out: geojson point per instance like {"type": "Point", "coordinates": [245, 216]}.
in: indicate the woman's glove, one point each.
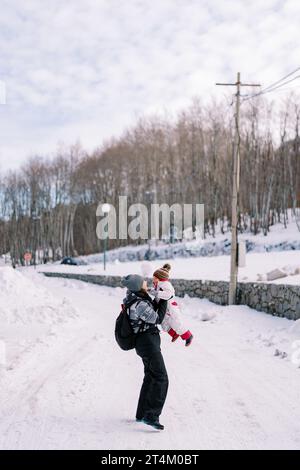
{"type": "Point", "coordinates": [164, 294]}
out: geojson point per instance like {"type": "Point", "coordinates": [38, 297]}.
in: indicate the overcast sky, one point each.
{"type": "Point", "coordinates": [85, 69]}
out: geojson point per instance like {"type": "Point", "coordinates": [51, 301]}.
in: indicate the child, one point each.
{"type": "Point", "coordinates": [172, 322]}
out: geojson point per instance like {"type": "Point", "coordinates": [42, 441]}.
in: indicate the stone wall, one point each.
{"type": "Point", "coordinates": [282, 300]}
{"type": "Point", "coordinates": [277, 299]}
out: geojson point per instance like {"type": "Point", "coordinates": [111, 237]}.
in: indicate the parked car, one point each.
{"type": "Point", "coordinates": [73, 261]}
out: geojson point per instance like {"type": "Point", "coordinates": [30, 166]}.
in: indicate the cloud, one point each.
{"type": "Point", "coordinates": [85, 68]}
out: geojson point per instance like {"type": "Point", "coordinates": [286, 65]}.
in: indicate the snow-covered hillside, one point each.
{"type": "Point", "coordinates": [278, 239]}
{"type": "Point", "coordinates": [236, 387]}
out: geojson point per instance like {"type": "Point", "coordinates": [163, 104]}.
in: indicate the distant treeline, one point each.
{"type": "Point", "coordinates": [50, 204]}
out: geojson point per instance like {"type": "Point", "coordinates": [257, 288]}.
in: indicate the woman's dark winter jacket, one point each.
{"type": "Point", "coordinates": [144, 313]}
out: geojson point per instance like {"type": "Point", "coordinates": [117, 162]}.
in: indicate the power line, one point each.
{"type": "Point", "coordinates": [288, 88]}
{"type": "Point", "coordinates": [280, 86]}
{"type": "Point", "coordinates": [273, 86]}
{"type": "Point", "coordinates": [283, 78]}
{"type": "Point", "coordinates": [279, 90]}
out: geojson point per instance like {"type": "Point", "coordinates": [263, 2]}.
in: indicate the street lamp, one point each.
{"type": "Point", "coordinates": [105, 210]}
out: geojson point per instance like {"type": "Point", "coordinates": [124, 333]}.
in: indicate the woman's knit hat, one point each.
{"type": "Point", "coordinates": [133, 282]}
{"type": "Point", "coordinates": [163, 273]}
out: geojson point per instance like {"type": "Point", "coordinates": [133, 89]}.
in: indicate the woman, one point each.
{"type": "Point", "coordinates": [144, 315]}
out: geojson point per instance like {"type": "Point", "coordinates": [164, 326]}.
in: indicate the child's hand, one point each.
{"type": "Point", "coordinates": [152, 291]}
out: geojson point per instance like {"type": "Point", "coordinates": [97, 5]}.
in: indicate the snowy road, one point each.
{"type": "Point", "coordinates": [73, 388]}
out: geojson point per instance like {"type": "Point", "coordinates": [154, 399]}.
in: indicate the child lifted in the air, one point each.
{"type": "Point", "coordinates": [173, 322]}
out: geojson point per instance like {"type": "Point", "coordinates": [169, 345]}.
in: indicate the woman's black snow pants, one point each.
{"type": "Point", "coordinates": [155, 385]}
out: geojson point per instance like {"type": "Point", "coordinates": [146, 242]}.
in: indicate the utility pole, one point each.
{"type": "Point", "coordinates": [235, 191]}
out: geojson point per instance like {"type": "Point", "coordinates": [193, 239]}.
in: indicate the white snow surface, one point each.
{"type": "Point", "coordinates": [68, 385]}
{"type": "Point", "coordinates": [205, 268]}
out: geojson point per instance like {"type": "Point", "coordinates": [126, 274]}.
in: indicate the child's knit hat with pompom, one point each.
{"type": "Point", "coordinates": [163, 273]}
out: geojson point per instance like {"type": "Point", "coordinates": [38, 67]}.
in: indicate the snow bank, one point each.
{"type": "Point", "coordinates": [23, 301]}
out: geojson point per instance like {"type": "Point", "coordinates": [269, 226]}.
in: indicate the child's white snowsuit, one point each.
{"type": "Point", "coordinates": [173, 318]}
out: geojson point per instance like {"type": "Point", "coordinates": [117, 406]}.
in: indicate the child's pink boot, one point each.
{"type": "Point", "coordinates": [173, 334]}
{"type": "Point", "coordinates": [187, 337]}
